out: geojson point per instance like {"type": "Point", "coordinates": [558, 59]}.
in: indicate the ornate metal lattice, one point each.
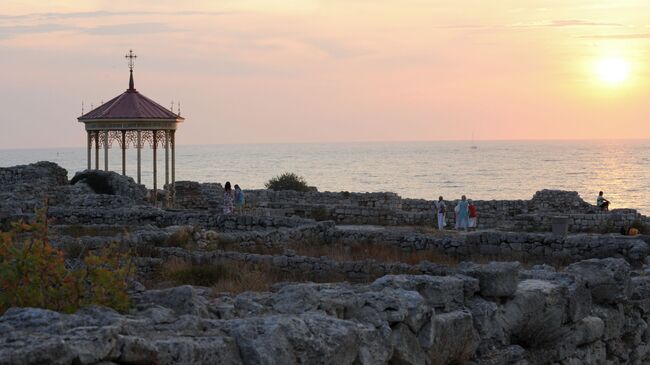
{"type": "Point", "coordinates": [97, 138]}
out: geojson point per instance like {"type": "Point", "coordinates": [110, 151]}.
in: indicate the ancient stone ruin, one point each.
{"type": "Point", "coordinates": [334, 278]}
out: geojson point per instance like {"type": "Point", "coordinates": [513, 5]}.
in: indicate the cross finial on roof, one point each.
{"type": "Point", "coordinates": [130, 56]}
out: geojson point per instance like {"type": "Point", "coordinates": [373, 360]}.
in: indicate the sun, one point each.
{"type": "Point", "coordinates": [613, 70]}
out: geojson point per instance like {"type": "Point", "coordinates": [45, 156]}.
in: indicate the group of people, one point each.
{"type": "Point", "coordinates": [465, 212]}
{"type": "Point", "coordinates": [233, 199]}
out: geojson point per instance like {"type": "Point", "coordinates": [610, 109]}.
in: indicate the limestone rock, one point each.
{"type": "Point", "coordinates": [111, 183]}
{"type": "Point", "coordinates": [608, 279]}
{"type": "Point", "coordinates": [445, 292]}
{"type": "Point", "coordinates": [537, 312]}
{"type": "Point", "coordinates": [455, 339]}
{"type": "Point", "coordinates": [588, 330]}
{"type": "Point", "coordinates": [182, 300]}
{"type": "Point", "coordinates": [496, 279]}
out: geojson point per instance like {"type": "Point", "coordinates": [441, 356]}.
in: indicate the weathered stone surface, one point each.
{"type": "Point", "coordinates": [455, 339]}
{"type": "Point", "coordinates": [608, 279]}
{"type": "Point", "coordinates": [182, 300]}
{"type": "Point", "coordinates": [439, 291]}
{"type": "Point", "coordinates": [111, 183]}
{"type": "Point", "coordinates": [496, 279]}
{"type": "Point", "coordinates": [580, 302]}
{"type": "Point", "coordinates": [588, 330]}
{"type": "Point", "coordinates": [536, 313]}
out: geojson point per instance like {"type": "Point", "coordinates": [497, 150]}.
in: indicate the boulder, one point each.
{"type": "Point", "coordinates": [406, 348]}
{"type": "Point", "coordinates": [111, 183]}
{"type": "Point", "coordinates": [536, 314]}
{"type": "Point", "coordinates": [44, 174]}
{"type": "Point", "coordinates": [440, 292]}
{"type": "Point", "coordinates": [588, 330]}
{"type": "Point", "coordinates": [182, 300]}
{"type": "Point", "coordinates": [455, 339]}
{"type": "Point", "coordinates": [190, 350]}
{"type": "Point", "coordinates": [496, 279]}
{"type": "Point", "coordinates": [579, 294]}
{"type": "Point", "coordinates": [608, 279]}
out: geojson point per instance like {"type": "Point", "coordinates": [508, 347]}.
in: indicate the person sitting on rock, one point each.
{"type": "Point", "coordinates": [602, 202]}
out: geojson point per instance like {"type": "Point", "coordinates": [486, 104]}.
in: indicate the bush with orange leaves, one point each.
{"type": "Point", "coordinates": [33, 273]}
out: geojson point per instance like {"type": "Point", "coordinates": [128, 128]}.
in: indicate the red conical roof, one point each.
{"type": "Point", "coordinates": [130, 105]}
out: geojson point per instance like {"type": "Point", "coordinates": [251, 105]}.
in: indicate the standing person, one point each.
{"type": "Point", "coordinates": [463, 213]}
{"type": "Point", "coordinates": [602, 203]}
{"type": "Point", "coordinates": [228, 199]}
{"type": "Point", "coordinates": [473, 214]}
{"type": "Point", "coordinates": [441, 209]}
{"type": "Point", "coordinates": [239, 199]}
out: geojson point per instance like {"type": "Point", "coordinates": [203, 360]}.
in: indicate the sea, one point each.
{"type": "Point", "coordinates": [482, 170]}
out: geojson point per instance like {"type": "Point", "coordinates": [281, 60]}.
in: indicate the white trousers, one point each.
{"type": "Point", "coordinates": [441, 221]}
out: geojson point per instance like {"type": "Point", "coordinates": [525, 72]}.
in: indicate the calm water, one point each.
{"type": "Point", "coordinates": [495, 170]}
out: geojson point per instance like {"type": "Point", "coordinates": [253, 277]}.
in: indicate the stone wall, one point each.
{"type": "Point", "coordinates": [390, 209]}
{"type": "Point", "coordinates": [534, 247]}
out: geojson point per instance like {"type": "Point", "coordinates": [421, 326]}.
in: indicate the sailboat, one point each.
{"type": "Point", "coordinates": [473, 144]}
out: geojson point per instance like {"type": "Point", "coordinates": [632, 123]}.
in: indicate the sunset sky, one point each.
{"type": "Point", "coordinates": [331, 71]}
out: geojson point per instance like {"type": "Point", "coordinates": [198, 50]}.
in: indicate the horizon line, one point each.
{"type": "Point", "coordinates": [368, 142]}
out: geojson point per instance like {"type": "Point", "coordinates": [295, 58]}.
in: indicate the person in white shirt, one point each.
{"type": "Point", "coordinates": [601, 202]}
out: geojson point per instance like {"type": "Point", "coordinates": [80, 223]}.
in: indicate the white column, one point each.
{"type": "Point", "coordinates": [173, 140]}
{"type": "Point", "coordinates": [96, 150]}
{"type": "Point", "coordinates": [166, 157]}
{"type": "Point", "coordinates": [90, 147]}
{"type": "Point", "coordinates": [172, 135]}
{"type": "Point", "coordinates": [123, 153]}
{"type": "Point", "coordinates": [139, 147]}
{"type": "Point", "coordinates": [155, 166]}
{"type": "Point", "coordinates": [105, 150]}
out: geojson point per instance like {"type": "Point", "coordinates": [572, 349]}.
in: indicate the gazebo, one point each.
{"type": "Point", "coordinates": [133, 119]}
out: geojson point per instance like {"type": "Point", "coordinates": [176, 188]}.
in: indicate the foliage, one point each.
{"type": "Point", "coordinates": [34, 274]}
{"type": "Point", "coordinates": [288, 181]}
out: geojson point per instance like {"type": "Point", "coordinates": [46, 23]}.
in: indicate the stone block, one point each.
{"type": "Point", "coordinates": [608, 279]}
{"type": "Point", "coordinates": [496, 279]}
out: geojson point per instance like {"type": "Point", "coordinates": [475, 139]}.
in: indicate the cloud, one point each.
{"type": "Point", "coordinates": [16, 30]}
{"type": "Point", "coordinates": [7, 32]}
{"type": "Point", "coordinates": [619, 36]}
{"type": "Point", "coordinates": [102, 14]}
{"type": "Point", "coordinates": [564, 23]}
{"type": "Point", "coordinates": [130, 28]}
{"type": "Point", "coordinates": [578, 22]}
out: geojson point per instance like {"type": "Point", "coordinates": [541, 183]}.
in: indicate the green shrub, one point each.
{"type": "Point", "coordinates": [74, 250]}
{"type": "Point", "coordinates": [33, 273]}
{"type": "Point", "coordinates": [288, 181]}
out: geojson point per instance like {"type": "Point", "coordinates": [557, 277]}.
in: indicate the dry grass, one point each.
{"type": "Point", "coordinates": [230, 276]}
{"type": "Point", "coordinates": [371, 251]}
{"type": "Point", "coordinates": [381, 252]}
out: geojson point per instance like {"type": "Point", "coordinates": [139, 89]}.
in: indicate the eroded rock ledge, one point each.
{"type": "Point", "coordinates": [593, 312]}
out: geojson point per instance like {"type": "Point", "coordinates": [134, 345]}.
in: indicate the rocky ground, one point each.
{"type": "Point", "coordinates": [273, 289]}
